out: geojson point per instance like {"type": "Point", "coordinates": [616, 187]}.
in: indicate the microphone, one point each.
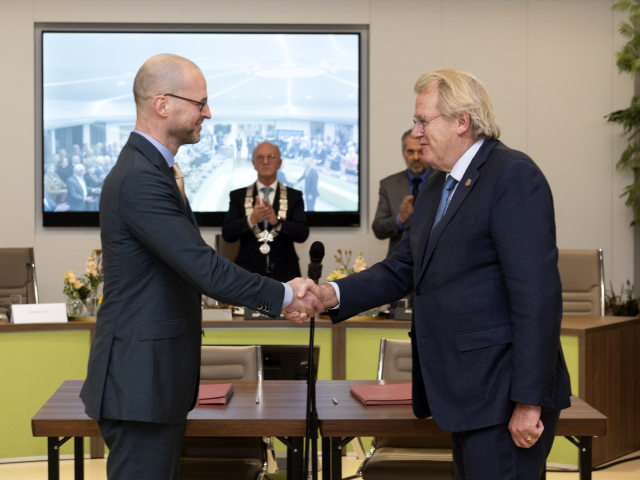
{"type": "Point", "coordinates": [316, 254]}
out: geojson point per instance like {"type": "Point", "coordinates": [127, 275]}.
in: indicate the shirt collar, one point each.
{"type": "Point", "coordinates": [168, 156]}
{"type": "Point", "coordinates": [422, 177]}
{"type": "Point", "coordinates": [461, 165]}
{"type": "Point", "coordinates": [261, 185]}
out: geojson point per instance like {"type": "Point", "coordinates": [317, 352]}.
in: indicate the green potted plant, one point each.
{"type": "Point", "coordinates": [615, 305]}
{"type": "Point", "coordinates": [628, 60]}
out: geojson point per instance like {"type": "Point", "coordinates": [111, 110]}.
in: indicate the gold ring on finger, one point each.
{"type": "Point", "coordinates": [529, 439]}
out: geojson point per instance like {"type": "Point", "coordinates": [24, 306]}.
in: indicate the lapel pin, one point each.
{"type": "Point", "coordinates": [468, 182]}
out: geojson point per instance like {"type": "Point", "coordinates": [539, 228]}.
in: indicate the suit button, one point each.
{"type": "Point", "coordinates": [259, 307]}
{"type": "Point", "coordinates": [418, 292]}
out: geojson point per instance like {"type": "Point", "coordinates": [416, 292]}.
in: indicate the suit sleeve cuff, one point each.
{"type": "Point", "coordinates": [337, 289]}
{"type": "Point", "coordinates": [288, 295]}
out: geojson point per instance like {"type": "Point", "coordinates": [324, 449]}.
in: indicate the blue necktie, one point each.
{"type": "Point", "coordinates": [449, 185]}
{"type": "Point", "coordinates": [266, 191]}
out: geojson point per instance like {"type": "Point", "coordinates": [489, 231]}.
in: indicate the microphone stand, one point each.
{"type": "Point", "coordinates": [311, 432]}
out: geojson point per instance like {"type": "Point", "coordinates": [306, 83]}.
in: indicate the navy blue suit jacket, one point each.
{"type": "Point", "coordinates": [488, 304]}
{"type": "Point", "coordinates": [145, 359]}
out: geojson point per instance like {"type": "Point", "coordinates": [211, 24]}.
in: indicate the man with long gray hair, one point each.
{"type": "Point", "coordinates": [481, 257]}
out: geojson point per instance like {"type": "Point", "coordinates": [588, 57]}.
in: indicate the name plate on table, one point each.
{"type": "Point", "coordinates": [39, 313]}
{"type": "Point", "coordinates": [254, 315]}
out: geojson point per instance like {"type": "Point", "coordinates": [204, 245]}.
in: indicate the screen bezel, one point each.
{"type": "Point", "coordinates": [206, 219]}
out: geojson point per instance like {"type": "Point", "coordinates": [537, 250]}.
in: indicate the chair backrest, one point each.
{"type": "Point", "coordinates": [231, 362]}
{"type": "Point", "coordinates": [582, 277]}
{"type": "Point", "coordinates": [15, 277]}
{"type": "Point", "coordinates": [394, 363]}
{"type": "Point", "coordinates": [226, 249]}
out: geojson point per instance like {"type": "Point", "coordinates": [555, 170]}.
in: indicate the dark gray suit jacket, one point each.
{"type": "Point", "coordinates": [145, 359]}
{"type": "Point", "coordinates": [393, 189]}
{"type": "Point", "coordinates": [488, 299]}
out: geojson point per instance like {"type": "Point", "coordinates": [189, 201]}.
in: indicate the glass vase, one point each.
{"type": "Point", "coordinates": [92, 306]}
{"type": "Point", "coordinates": [75, 307]}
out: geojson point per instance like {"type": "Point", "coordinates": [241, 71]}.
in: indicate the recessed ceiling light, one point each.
{"type": "Point", "coordinates": [350, 95]}
{"type": "Point", "coordinates": [269, 96]}
{"type": "Point", "coordinates": [235, 96]}
{"type": "Point", "coordinates": [308, 96]}
{"type": "Point", "coordinates": [121, 83]}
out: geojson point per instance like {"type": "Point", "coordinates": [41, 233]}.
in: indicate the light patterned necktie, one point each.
{"type": "Point", "coordinates": [266, 191]}
{"type": "Point", "coordinates": [177, 174]}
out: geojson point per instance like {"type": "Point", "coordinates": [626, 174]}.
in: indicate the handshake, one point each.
{"type": "Point", "coordinates": [309, 298]}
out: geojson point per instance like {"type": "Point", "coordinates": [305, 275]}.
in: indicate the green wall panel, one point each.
{"type": "Point", "coordinates": [563, 451]}
{"type": "Point", "coordinates": [363, 348]}
{"type": "Point", "coordinates": [34, 365]}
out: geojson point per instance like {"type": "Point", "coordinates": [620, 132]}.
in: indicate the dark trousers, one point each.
{"type": "Point", "coordinates": [489, 453]}
{"type": "Point", "coordinates": [142, 450]}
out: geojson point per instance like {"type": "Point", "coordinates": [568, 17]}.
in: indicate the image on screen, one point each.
{"type": "Point", "coordinates": [298, 91]}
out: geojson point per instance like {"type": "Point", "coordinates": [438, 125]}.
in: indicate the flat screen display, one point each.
{"type": "Point", "coordinates": [300, 91]}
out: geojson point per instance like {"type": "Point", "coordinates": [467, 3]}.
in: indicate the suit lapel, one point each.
{"type": "Point", "coordinates": [155, 157]}
{"type": "Point", "coordinates": [432, 196]}
{"type": "Point", "coordinates": [429, 237]}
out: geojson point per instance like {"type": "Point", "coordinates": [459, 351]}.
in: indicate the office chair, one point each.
{"type": "Point", "coordinates": [17, 276]}
{"type": "Point", "coordinates": [582, 277]}
{"type": "Point", "coordinates": [227, 458]}
{"type": "Point", "coordinates": [424, 458]}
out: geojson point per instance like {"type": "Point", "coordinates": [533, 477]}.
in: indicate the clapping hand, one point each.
{"type": "Point", "coordinates": [263, 210]}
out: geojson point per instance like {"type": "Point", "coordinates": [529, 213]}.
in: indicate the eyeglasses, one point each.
{"type": "Point", "coordinates": [271, 157]}
{"type": "Point", "coordinates": [422, 124]}
{"type": "Point", "coordinates": [202, 104]}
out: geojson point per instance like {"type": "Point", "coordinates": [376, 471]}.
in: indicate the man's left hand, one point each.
{"type": "Point", "coordinates": [525, 425]}
{"type": "Point", "coordinates": [271, 215]}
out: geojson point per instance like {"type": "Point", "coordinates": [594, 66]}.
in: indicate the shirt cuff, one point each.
{"type": "Point", "coordinates": [251, 225]}
{"type": "Point", "coordinates": [288, 295]}
{"type": "Point", "coordinates": [399, 224]}
{"type": "Point", "coordinates": [337, 289]}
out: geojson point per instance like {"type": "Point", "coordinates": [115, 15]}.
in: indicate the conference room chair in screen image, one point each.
{"type": "Point", "coordinates": [409, 458]}
{"type": "Point", "coordinates": [231, 458]}
{"type": "Point", "coordinates": [582, 277]}
{"type": "Point", "coordinates": [17, 278]}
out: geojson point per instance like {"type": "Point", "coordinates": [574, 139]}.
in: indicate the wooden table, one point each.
{"type": "Point", "coordinates": [281, 413]}
{"type": "Point", "coordinates": [340, 423]}
{"type": "Point", "coordinates": [608, 355]}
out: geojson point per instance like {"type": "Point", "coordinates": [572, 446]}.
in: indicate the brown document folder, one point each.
{"type": "Point", "coordinates": [396, 394]}
{"type": "Point", "coordinates": [216, 394]}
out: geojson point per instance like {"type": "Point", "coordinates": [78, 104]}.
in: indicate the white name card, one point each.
{"type": "Point", "coordinates": [39, 313]}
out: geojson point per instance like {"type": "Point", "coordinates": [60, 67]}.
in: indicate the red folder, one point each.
{"type": "Point", "coordinates": [396, 394]}
{"type": "Point", "coordinates": [215, 394]}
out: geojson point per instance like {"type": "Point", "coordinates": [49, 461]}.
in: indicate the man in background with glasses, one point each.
{"type": "Point", "coordinates": [144, 364]}
{"type": "Point", "coordinates": [267, 217]}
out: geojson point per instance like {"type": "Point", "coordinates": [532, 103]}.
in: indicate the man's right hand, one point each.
{"type": "Point", "coordinates": [304, 303]}
{"type": "Point", "coordinates": [406, 209]}
{"type": "Point", "coordinates": [325, 293]}
{"type": "Point", "coordinates": [260, 211]}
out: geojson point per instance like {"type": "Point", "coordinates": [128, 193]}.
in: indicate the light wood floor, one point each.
{"type": "Point", "coordinates": [96, 470]}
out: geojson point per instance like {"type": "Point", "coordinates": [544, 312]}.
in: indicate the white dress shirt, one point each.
{"type": "Point", "coordinates": [272, 197]}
